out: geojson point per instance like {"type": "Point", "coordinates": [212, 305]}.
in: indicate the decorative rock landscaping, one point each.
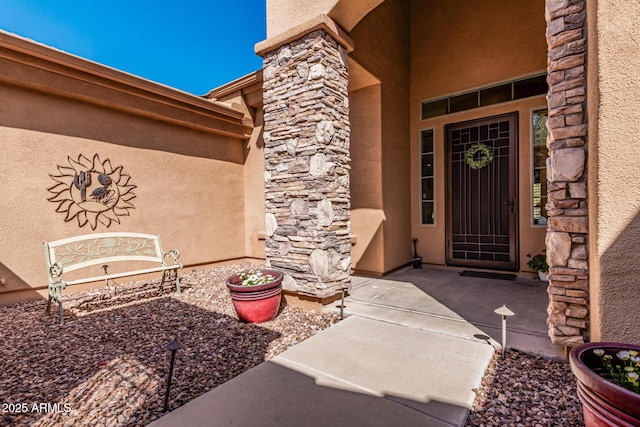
{"type": "Point", "coordinates": [523, 390]}
{"type": "Point", "coordinates": [107, 366]}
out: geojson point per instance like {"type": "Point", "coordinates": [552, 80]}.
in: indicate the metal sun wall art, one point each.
{"type": "Point", "coordinates": [92, 191]}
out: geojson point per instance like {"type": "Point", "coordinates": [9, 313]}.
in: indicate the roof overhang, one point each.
{"type": "Point", "coordinates": [25, 63]}
{"type": "Point", "coordinates": [250, 86]}
{"type": "Point", "coordinates": [320, 22]}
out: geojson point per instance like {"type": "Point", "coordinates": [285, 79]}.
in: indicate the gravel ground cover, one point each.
{"type": "Point", "coordinates": [524, 390]}
{"type": "Point", "coordinates": [107, 366]}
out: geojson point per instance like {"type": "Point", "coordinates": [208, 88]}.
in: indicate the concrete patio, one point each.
{"type": "Point", "coordinates": [412, 349]}
{"type": "Point", "coordinates": [439, 299]}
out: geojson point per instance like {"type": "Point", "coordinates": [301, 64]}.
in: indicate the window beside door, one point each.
{"type": "Point", "coordinates": [539, 166]}
{"type": "Point", "coordinates": [427, 197]}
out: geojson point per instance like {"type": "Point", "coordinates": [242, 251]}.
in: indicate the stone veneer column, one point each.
{"type": "Point", "coordinates": [306, 135]}
{"type": "Point", "coordinates": [567, 229]}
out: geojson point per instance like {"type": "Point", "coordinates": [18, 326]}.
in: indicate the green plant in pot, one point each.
{"type": "Point", "coordinates": [254, 278]}
{"type": "Point", "coordinates": [608, 375]}
{"type": "Point", "coordinates": [538, 263]}
{"type": "Point", "coordinates": [622, 369]}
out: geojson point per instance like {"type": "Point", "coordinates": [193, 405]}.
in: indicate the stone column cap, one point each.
{"type": "Point", "coordinates": [320, 22]}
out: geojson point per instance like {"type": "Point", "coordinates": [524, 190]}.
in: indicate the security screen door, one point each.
{"type": "Point", "coordinates": [482, 203]}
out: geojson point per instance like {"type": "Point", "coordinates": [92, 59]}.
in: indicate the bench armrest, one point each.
{"type": "Point", "coordinates": [55, 276]}
{"type": "Point", "coordinates": [173, 253]}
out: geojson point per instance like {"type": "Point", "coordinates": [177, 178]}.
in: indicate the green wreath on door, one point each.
{"type": "Point", "coordinates": [486, 156]}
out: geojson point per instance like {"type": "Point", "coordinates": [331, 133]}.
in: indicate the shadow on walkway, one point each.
{"type": "Point", "coordinates": [271, 395]}
{"type": "Point", "coordinates": [438, 297]}
{"type": "Point", "coordinates": [359, 372]}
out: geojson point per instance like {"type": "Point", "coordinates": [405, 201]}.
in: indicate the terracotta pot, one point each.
{"type": "Point", "coordinates": [543, 276]}
{"type": "Point", "coordinates": [256, 304]}
{"type": "Point", "coordinates": [603, 402]}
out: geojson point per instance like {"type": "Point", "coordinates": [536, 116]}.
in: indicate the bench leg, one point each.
{"type": "Point", "coordinates": [60, 312]}
{"type": "Point", "coordinates": [164, 276]}
{"type": "Point", "coordinates": [56, 294]}
{"type": "Point", "coordinates": [59, 301]}
{"type": "Point", "coordinates": [177, 282]}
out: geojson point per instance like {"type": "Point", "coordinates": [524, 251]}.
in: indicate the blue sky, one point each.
{"type": "Point", "coordinates": [192, 45]}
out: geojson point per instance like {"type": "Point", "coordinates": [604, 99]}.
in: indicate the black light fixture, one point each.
{"type": "Point", "coordinates": [173, 346]}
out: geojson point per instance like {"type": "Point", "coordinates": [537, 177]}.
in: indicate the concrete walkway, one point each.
{"type": "Point", "coordinates": [402, 357]}
{"type": "Point", "coordinates": [438, 298]}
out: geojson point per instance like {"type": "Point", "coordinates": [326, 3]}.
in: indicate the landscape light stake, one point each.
{"type": "Point", "coordinates": [342, 304]}
{"type": "Point", "coordinates": [504, 312]}
{"type": "Point", "coordinates": [106, 277]}
{"type": "Point", "coordinates": [173, 346]}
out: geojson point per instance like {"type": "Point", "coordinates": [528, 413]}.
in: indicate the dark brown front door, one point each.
{"type": "Point", "coordinates": [482, 203]}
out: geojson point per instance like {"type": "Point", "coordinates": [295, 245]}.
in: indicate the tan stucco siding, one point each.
{"type": "Point", "coordinates": [283, 15]}
{"type": "Point", "coordinates": [366, 177]}
{"type": "Point", "coordinates": [189, 184]}
{"type": "Point", "coordinates": [387, 58]}
{"type": "Point", "coordinates": [248, 99]}
{"type": "Point", "coordinates": [456, 47]}
{"type": "Point", "coordinates": [614, 158]}
{"type": "Point", "coordinates": [254, 191]}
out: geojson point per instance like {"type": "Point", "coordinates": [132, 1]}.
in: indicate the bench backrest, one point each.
{"type": "Point", "coordinates": [101, 248]}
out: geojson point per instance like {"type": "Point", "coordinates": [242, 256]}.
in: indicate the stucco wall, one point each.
{"type": "Point", "coordinates": [366, 178]}
{"type": "Point", "coordinates": [455, 47]}
{"type": "Point", "coordinates": [283, 15]}
{"type": "Point", "coordinates": [254, 191]}
{"type": "Point", "coordinates": [245, 95]}
{"type": "Point", "coordinates": [189, 185]}
{"type": "Point", "coordinates": [614, 156]}
{"type": "Point", "coordinates": [382, 42]}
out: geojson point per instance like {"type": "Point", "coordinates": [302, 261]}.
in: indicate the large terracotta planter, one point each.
{"type": "Point", "coordinates": [603, 402]}
{"type": "Point", "coordinates": [256, 304]}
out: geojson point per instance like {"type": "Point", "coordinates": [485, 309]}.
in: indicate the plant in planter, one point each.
{"type": "Point", "coordinates": [254, 277]}
{"type": "Point", "coordinates": [256, 294]}
{"type": "Point", "coordinates": [608, 382]}
{"type": "Point", "coordinates": [538, 263]}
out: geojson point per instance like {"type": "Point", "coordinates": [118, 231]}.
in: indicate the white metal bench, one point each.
{"type": "Point", "coordinates": [75, 253]}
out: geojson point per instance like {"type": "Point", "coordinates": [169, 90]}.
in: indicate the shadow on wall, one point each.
{"type": "Point", "coordinates": [41, 112]}
{"type": "Point", "coordinates": [618, 293]}
{"type": "Point", "coordinates": [365, 223]}
{"type": "Point", "coordinates": [13, 288]}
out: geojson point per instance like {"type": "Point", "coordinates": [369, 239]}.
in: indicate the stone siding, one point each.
{"type": "Point", "coordinates": [567, 229]}
{"type": "Point", "coordinates": [307, 192]}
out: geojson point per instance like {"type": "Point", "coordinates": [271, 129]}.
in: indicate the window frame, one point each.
{"type": "Point", "coordinates": [532, 163]}
{"type": "Point", "coordinates": [517, 85]}
{"type": "Point", "coordinates": [433, 177]}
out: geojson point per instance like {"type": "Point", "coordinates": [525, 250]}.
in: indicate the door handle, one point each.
{"type": "Point", "coordinates": [509, 203]}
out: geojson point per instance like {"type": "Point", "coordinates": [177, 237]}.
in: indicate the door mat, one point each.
{"type": "Point", "coordinates": [484, 275]}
